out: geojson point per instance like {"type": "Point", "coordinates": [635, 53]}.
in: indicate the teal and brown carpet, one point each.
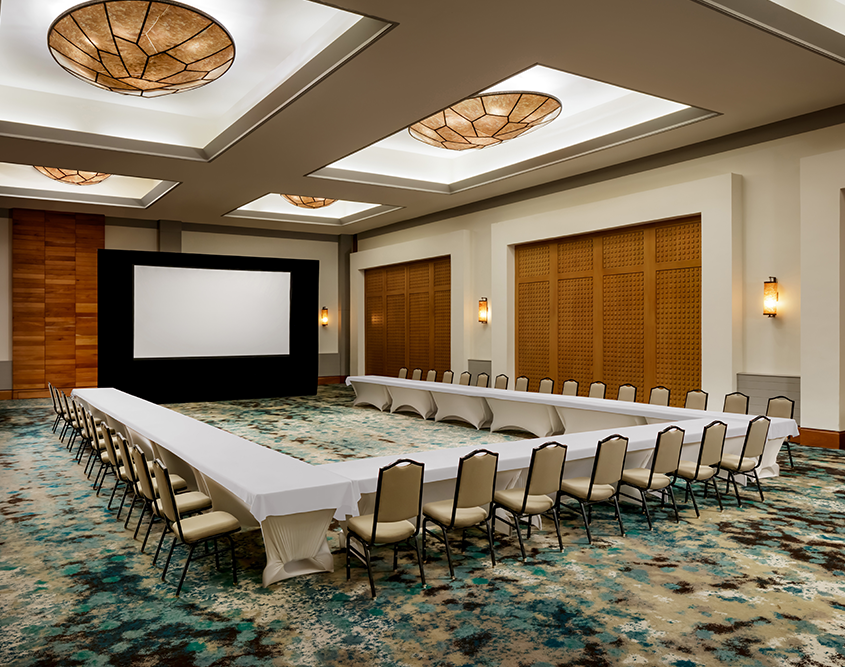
{"type": "Point", "coordinates": [760, 585]}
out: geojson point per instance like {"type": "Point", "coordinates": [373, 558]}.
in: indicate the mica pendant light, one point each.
{"type": "Point", "coordinates": [308, 202]}
{"type": "Point", "coordinates": [73, 176]}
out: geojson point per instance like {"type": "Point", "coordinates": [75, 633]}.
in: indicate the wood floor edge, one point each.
{"type": "Point", "coordinates": [813, 437]}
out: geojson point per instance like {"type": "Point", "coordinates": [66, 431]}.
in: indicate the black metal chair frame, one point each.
{"type": "Point", "coordinates": [788, 439]}
{"type": "Point", "coordinates": [698, 391]}
{"type": "Point", "coordinates": [688, 492]}
{"type": "Point", "coordinates": [732, 476]}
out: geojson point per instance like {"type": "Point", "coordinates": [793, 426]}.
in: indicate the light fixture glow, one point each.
{"type": "Point", "coordinates": [324, 317]}
{"type": "Point", "coordinates": [309, 202]}
{"type": "Point", "coordinates": [770, 297]}
{"type": "Point", "coordinates": [141, 48]}
{"type": "Point", "coordinates": [73, 176]}
{"type": "Point", "coordinates": [482, 310]}
{"type": "Point", "coordinates": [486, 120]}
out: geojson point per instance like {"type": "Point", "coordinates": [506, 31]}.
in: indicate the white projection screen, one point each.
{"type": "Point", "coordinates": [187, 312]}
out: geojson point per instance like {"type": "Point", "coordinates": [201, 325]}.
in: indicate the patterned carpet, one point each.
{"type": "Point", "coordinates": [760, 585]}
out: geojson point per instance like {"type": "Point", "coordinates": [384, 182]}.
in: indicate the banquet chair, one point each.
{"type": "Point", "coordinates": [783, 407]}
{"type": "Point", "coordinates": [56, 407]}
{"type": "Point", "coordinates": [570, 388]}
{"type": "Point", "coordinates": [470, 506]}
{"type": "Point", "coordinates": [696, 400]}
{"type": "Point", "coordinates": [736, 403]}
{"type": "Point", "coordinates": [431, 376]}
{"type": "Point", "coordinates": [403, 373]}
{"type": "Point", "coordinates": [664, 466]}
{"type": "Point", "coordinates": [70, 421]}
{"type": "Point", "coordinates": [395, 519]}
{"type": "Point", "coordinates": [109, 459]}
{"type": "Point", "coordinates": [448, 377]}
{"type": "Point", "coordinates": [659, 396]}
{"type": "Point", "coordinates": [599, 486]}
{"type": "Point", "coordinates": [521, 383]}
{"type": "Point", "coordinates": [597, 389]}
{"type": "Point", "coordinates": [544, 478]}
{"type": "Point", "coordinates": [417, 374]}
{"type": "Point", "coordinates": [627, 393]}
{"type": "Point", "coordinates": [706, 467]}
{"type": "Point", "coordinates": [482, 380]}
{"type": "Point", "coordinates": [97, 443]}
{"type": "Point", "coordinates": [501, 382]}
{"type": "Point", "coordinates": [465, 378]}
{"type": "Point", "coordinates": [748, 460]}
{"type": "Point", "coordinates": [547, 386]}
{"type": "Point", "coordinates": [193, 530]}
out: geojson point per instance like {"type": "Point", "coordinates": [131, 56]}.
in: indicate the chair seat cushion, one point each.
{"type": "Point", "coordinates": [387, 532]}
{"type": "Point", "coordinates": [638, 477]}
{"type": "Point", "coordinates": [178, 483]}
{"type": "Point", "coordinates": [578, 487]}
{"type": "Point", "coordinates": [441, 512]}
{"type": "Point", "coordinates": [687, 471]}
{"type": "Point", "coordinates": [206, 526]}
{"type": "Point", "coordinates": [188, 503]}
{"type": "Point", "coordinates": [735, 464]}
{"type": "Point", "coordinates": [512, 500]}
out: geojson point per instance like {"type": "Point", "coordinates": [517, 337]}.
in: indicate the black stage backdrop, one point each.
{"type": "Point", "coordinates": [179, 380]}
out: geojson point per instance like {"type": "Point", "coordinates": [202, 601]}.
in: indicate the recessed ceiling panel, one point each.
{"type": "Point", "coordinates": [274, 207]}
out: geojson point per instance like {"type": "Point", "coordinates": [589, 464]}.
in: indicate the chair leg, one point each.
{"type": "Point", "coordinates": [169, 555]}
{"type": "Point", "coordinates": [490, 539]}
{"type": "Point", "coordinates": [718, 495]}
{"type": "Point", "coordinates": [448, 553]}
{"type": "Point", "coordinates": [420, 560]}
{"type": "Point", "coordinates": [645, 509]}
{"type": "Point", "coordinates": [160, 542]}
{"type": "Point", "coordinates": [557, 527]}
{"type": "Point", "coordinates": [789, 452]}
{"type": "Point", "coordinates": [116, 484]}
{"type": "Point", "coordinates": [141, 518]}
{"type": "Point", "coordinates": [131, 508]}
{"type": "Point", "coordinates": [123, 500]}
{"type": "Point", "coordinates": [185, 569]}
{"type": "Point", "coordinates": [619, 516]}
{"type": "Point", "coordinates": [147, 534]}
{"type": "Point", "coordinates": [234, 562]}
{"type": "Point", "coordinates": [369, 570]}
{"type": "Point", "coordinates": [732, 479]}
{"type": "Point", "coordinates": [586, 522]}
{"type": "Point", "coordinates": [348, 564]}
{"type": "Point", "coordinates": [674, 505]}
{"type": "Point", "coordinates": [759, 488]}
{"type": "Point", "coordinates": [691, 494]}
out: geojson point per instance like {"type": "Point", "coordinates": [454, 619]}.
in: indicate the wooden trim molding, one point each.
{"type": "Point", "coordinates": [814, 437]}
{"type": "Point", "coordinates": [332, 379]}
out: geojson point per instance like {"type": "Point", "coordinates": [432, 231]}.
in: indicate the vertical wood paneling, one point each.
{"type": "Point", "coordinates": [28, 301]}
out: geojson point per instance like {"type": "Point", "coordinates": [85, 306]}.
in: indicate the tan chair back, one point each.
{"type": "Point", "coordinates": [399, 491]}
{"type": "Point", "coordinates": [126, 457]}
{"type": "Point", "coordinates": [465, 378]}
{"type": "Point", "coordinates": [165, 492]}
{"type": "Point", "coordinates": [403, 373]}
{"type": "Point", "coordinates": [627, 393]}
{"type": "Point", "coordinates": [483, 380]}
{"type": "Point", "coordinates": [521, 383]}
{"type": "Point", "coordinates": [417, 374]}
{"type": "Point", "coordinates": [145, 482]}
{"type": "Point", "coordinates": [696, 400]}
{"type": "Point", "coordinates": [476, 479]}
{"type": "Point", "coordinates": [431, 376]}
{"type": "Point", "coordinates": [667, 451]}
{"type": "Point", "coordinates": [712, 443]}
{"type": "Point", "coordinates": [755, 437]}
{"type": "Point", "coordinates": [546, 469]}
{"type": "Point", "coordinates": [659, 396]}
{"type": "Point", "coordinates": [448, 377]}
{"type": "Point", "coordinates": [780, 406]}
{"type": "Point", "coordinates": [597, 389]}
{"type": "Point", "coordinates": [610, 460]}
{"type": "Point", "coordinates": [501, 382]}
{"type": "Point", "coordinates": [111, 447]}
{"type": "Point", "coordinates": [570, 388]}
{"type": "Point", "coordinates": [547, 386]}
{"type": "Point", "coordinates": [736, 403]}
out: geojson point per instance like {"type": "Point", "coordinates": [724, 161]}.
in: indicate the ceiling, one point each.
{"type": "Point", "coordinates": [319, 96]}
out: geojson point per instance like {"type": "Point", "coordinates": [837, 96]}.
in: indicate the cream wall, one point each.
{"type": "Point", "coordinates": [131, 238]}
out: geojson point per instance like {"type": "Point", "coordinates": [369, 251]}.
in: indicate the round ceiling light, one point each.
{"type": "Point", "coordinates": [141, 48]}
{"type": "Point", "coordinates": [486, 120]}
{"type": "Point", "coordinates": [309, 202]}
{"type": "Point", "coordinates": [73, 176]}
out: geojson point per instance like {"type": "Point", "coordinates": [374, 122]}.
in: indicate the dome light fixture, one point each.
{"type": "Point", "coordinates": [486, 120]}
{"type": "Point", "coordinates": [308, 202]}
{"type": "Point", "coordinates": [141, 48]}
{"type": "Point", "coordinates": [73, 176]}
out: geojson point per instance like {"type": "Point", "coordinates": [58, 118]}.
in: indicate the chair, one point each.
{"type": "Point", "coordinates": [736, 403]}
{"type": "Point", "coordinates": [431, 376]}
{"type": "Point", "coordinates": [482, 380]}
{"type": "Point", "coordinates": [403, 373]}
{"type": "Point", "coordinates": [448, 377]}
{"type": "Point", "coordinates": [474, 489]}
{"type": "Point", "coordinates": [193, 530]}
{"type": "Point", "coordinates": [627, 393]}
{"type": "Point", "coordinates": [599, 486]}
{"type": "Point", "coordinates": [706, 467]}
{"type": "Point", "coordinates": [597, 389]}
{"type": "Point", "coordinates": [659, 396]}
{"type": "Point", "coordinates": [501, 382]}
{"type": "Point", "coordinates": [783, 407]}
{"type": "Point", "coordinates": [547, 386]}
{"type": "Point", "coordinates": [748, 460]}
{"type": "Point", "coordinates": [570, 388]}
{"type": "Point", "coordinates": [56, 408]}
{"type": "Point", "coordinates": [417, 374]}
{"type": "Point", "coordinates": [544, 477]}
{"type": "Point", "coordinates": [661, 474]}
{"type": "Point", "coordinates": [521, 383]}
{"type": "Point", "coordinates": [395, 519]}
{"type": "Point", "coordinates": [465, 378]}
{"type": "Point", "coordinates": [696, 400]}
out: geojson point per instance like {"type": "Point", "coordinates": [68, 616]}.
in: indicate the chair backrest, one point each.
{"type": "Point", "coordinates": [66, 407]}
{"type": "Point", "coordinates": [610, 460]}
{"type": "Point", "coordinates": [168, 498]}
{"type": "Point", "coordinates": [56, 407]}
{"type": "Point", "coordinates": [627, 393]}
{"type": "Point", "coordinates": [736, 403]}
{"type": "Point", "coordinates": [547, 386]}
{"type": "Point", "coordinates": [483, 380]}
{"type": "Point", "coordinates": [465, 378]}
{"type": "Point", "coordinates": [111, 447]}
{"type": "Point", "coordinates": [145, 482]}
{"type": "Point", "coordinates": [501, 382]}
{"type": "Point", "coordinates": [431, 376]}
{"type": "Point", "coordinates": [476, 481]}
{"type": "Point", "coordinates": [448, 377]}
{"type": "Point", "coordinates": [399, 492]}
{"type": "Point", "coordinates": [521, 383]}
{"type": "Point", "coordinates": [667, 451]}
{"type": "Point", "coordinates": [570, 388]}
{"type": "Point", "coordinates": [545, 470]}
{"type": "Point", "coordinates": [125, 457]}
{"type": "Point", "coordinates": [417, 375]}
{"type": "Point", "coordinates": [659, 396]}
{"type": "Point", "coordinates": [597, 389]}
{"type": "Point", "coordinates": [755, 437]}
{"type": "Point", "coordinates": [696, 400]}
{"type": "Point", "coordinates": [712, 444]}
{"type": "Point", "coordinates": [780, 406]}
{"type": "Point", "coordinates": [403, 373]}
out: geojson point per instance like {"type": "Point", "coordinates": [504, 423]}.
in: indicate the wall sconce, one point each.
{"type": "Point", "coordinates": [324, 317]}
{"type": "Point", "coordinates": [482, 310]}
{"type": "Point", "coordinates": [770, 297]}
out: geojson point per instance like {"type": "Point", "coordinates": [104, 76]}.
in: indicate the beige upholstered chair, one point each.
{"type": "Point", "coordinates": [570, 388]}
{"type": "Point", "coordinates": [431, 376]}
{"type": "Point", "coordinates": [696, 400]}
{"type": "Point", "coordinates": [659, 396]}
{"type": "Point", "coordinates": [417, 374]}
{"type": "Point", "coordinates": [71, 421]}
{"type": "Point", "coordinates": [602, 484]}
{"type": "Point", "coordinates": [474, 490]}
{"type": "Point", "coordinates": [547, 386]}
{"type": "Point", "coordinates": [706, 467]}
{"type": "Point", "coordinates": [748, 460]}
{"type": "Point", "coordinates": [501, 382]}
{"type": "Point", "coordinates": [544, 477]}
{"type": "Point", "coordinates": [784, 408]}
{"type": "Point", "coordinates": [664, 465]}
{"type": "Point", "coordinates": [627, 393]}
{"type": "Point", "coordinates": [465, 378]}
{"type": "Point", "coordinates": [56, 408]}
{"type": "Point", "coordinates": [597, 389]}
{"type": "Point", "coordinates": [736, 403]}
{"type": "Point", "coordinates": [448, 377]}
{"type": "Point", "coordinates": [395, 519]}
{"type": "Point", "coordinates": [482, 380]}
{"type": "Point", "coordinates": [403, 373]}
{"type": "Point", "coordinates": [193, 530]}
{"type": "Point", "coordinates": [521, 383]}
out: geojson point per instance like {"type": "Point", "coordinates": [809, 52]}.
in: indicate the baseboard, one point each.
{"type": "Point", "coordinates": [5, 395]}
{"type": "Point", "coordinates": [331, 379]}
{"type": "Point", "coordinates": [31, 393]}
{"type": "Point", "coordinates": [813, 437]}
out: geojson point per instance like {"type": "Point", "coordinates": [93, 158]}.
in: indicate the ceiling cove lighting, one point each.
{"type": "Point", "coordinates": [135, 47]}
{"type": "Point", "coordinates": [486, 120]}
{"type": "Point", "coordinates": [73, 176]}
{"type": "Point", "coordinates": [309, 202]}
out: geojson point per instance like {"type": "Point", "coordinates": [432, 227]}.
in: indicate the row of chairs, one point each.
{"type": "Point", "coordinates": [399, 515]}
{"type": "Point", "coordinates": [164, 496]}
